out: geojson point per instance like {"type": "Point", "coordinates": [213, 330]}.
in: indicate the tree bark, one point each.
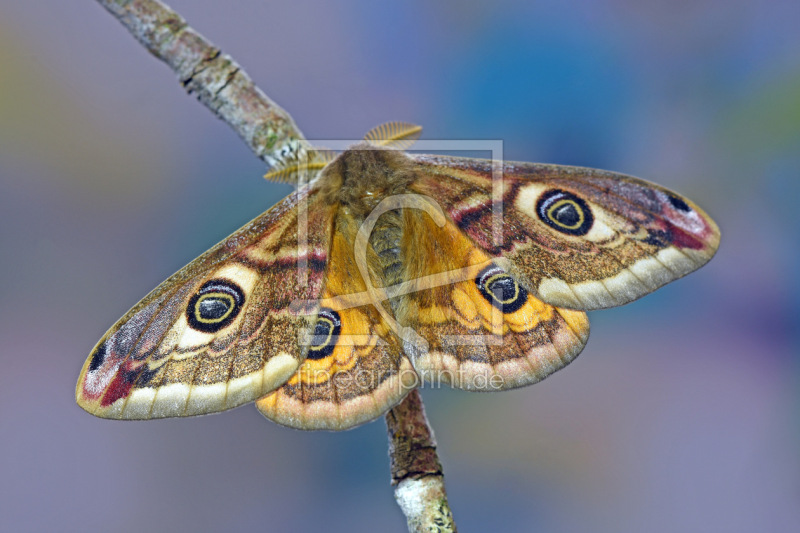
{"type": "Point", "coordinates": [214, 77]}
{"type": "Point", "coordinates": [417, 474]}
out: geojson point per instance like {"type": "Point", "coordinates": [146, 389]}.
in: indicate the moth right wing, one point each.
{"type": "Point", "coordinates": [222, 331]}
{"type": "Point", "coordinates": [477, 326]}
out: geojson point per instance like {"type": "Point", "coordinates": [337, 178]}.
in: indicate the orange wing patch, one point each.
{"type": "Point", "coordinates": [484, 329]}
{"type": "Point", "coordinates": [354, 369]}
{"type": "Point", "coordinates": [340, 339]}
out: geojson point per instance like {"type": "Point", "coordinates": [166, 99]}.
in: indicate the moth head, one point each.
{"type": "Point", "coordinates": [363, 175]}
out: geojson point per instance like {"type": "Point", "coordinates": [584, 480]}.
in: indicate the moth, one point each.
{"type": "Point", "coordinates": [387, 270]}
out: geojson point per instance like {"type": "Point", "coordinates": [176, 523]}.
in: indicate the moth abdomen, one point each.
{"type": "Point", "coordinates": [385, 241]}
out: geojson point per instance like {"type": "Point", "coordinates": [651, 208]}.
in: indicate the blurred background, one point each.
{"type": "Point", "coordinates": [682, 413]}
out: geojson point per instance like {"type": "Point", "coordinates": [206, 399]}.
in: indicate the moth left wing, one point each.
{"type": "Point", "coordinates": [223, 330]}
{"type": "Point", "coordinates": [355, 369]}
{"type": "Point", "coordinates": [582, 238]}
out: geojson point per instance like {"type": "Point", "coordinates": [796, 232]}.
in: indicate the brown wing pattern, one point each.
{"type": "Point", "coordinates": [223, 330]}
{"type": "Point", "coordinates": [584, 238]}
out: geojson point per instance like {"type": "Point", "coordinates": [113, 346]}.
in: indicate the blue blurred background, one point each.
{"type": "Point", "coordinates": [682, 414]}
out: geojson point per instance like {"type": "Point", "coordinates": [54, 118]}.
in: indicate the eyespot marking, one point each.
{"type": "Point", "coordinates": [215, 305]}
{"type": "Point", "coordinates": [326, 334]}
{"type": "Point", "coordinates": [565, 212]}
{"type": "Point", "coordinates": [98, 356]}
{"type": "Point", "coordinates": [678, 203]}
{"type": "Point", "coordinates": [500, 289]}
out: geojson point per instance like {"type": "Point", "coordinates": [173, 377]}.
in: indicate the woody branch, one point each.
{"type": "Point", "coordinates": [214, 77]}
{"type": "Point", "coordinates": [416, 471]}
{"type": "Point", "coordinates": [223, 87]}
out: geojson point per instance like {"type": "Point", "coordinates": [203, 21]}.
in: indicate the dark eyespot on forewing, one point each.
{"type": "Point", "coordinates": [326, 334]}
{"type": "Point", "coordinates": [500, 289]}
{"type": "Point", "coordinates": [678, 203]}
{"type": "Point", "coordinates": [98, 356]}
{"type": "Point", "coordinates": [215, 305]}
{"type": "Point", "coordinates": [565, 212]}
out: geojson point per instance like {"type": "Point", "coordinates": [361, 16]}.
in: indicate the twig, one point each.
{"type": "Point", "coordinates": [214, 77]}
{"type": "Point", "coordinates": [223, 86]}
{"type": "Point", "coordinates": [416, 471]}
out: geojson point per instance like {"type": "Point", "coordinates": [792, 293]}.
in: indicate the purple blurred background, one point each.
{"type": "Point", "coordinates": [682, 414]}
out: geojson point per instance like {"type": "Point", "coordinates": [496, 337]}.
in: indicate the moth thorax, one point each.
{"type": "Point", "coordinates": [364, 175]}
{"type": "Point", "coordinates": [385, 243]}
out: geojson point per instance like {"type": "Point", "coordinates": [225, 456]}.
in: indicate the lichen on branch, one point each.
{"type": "Point", "coordinates": [214, 78]}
